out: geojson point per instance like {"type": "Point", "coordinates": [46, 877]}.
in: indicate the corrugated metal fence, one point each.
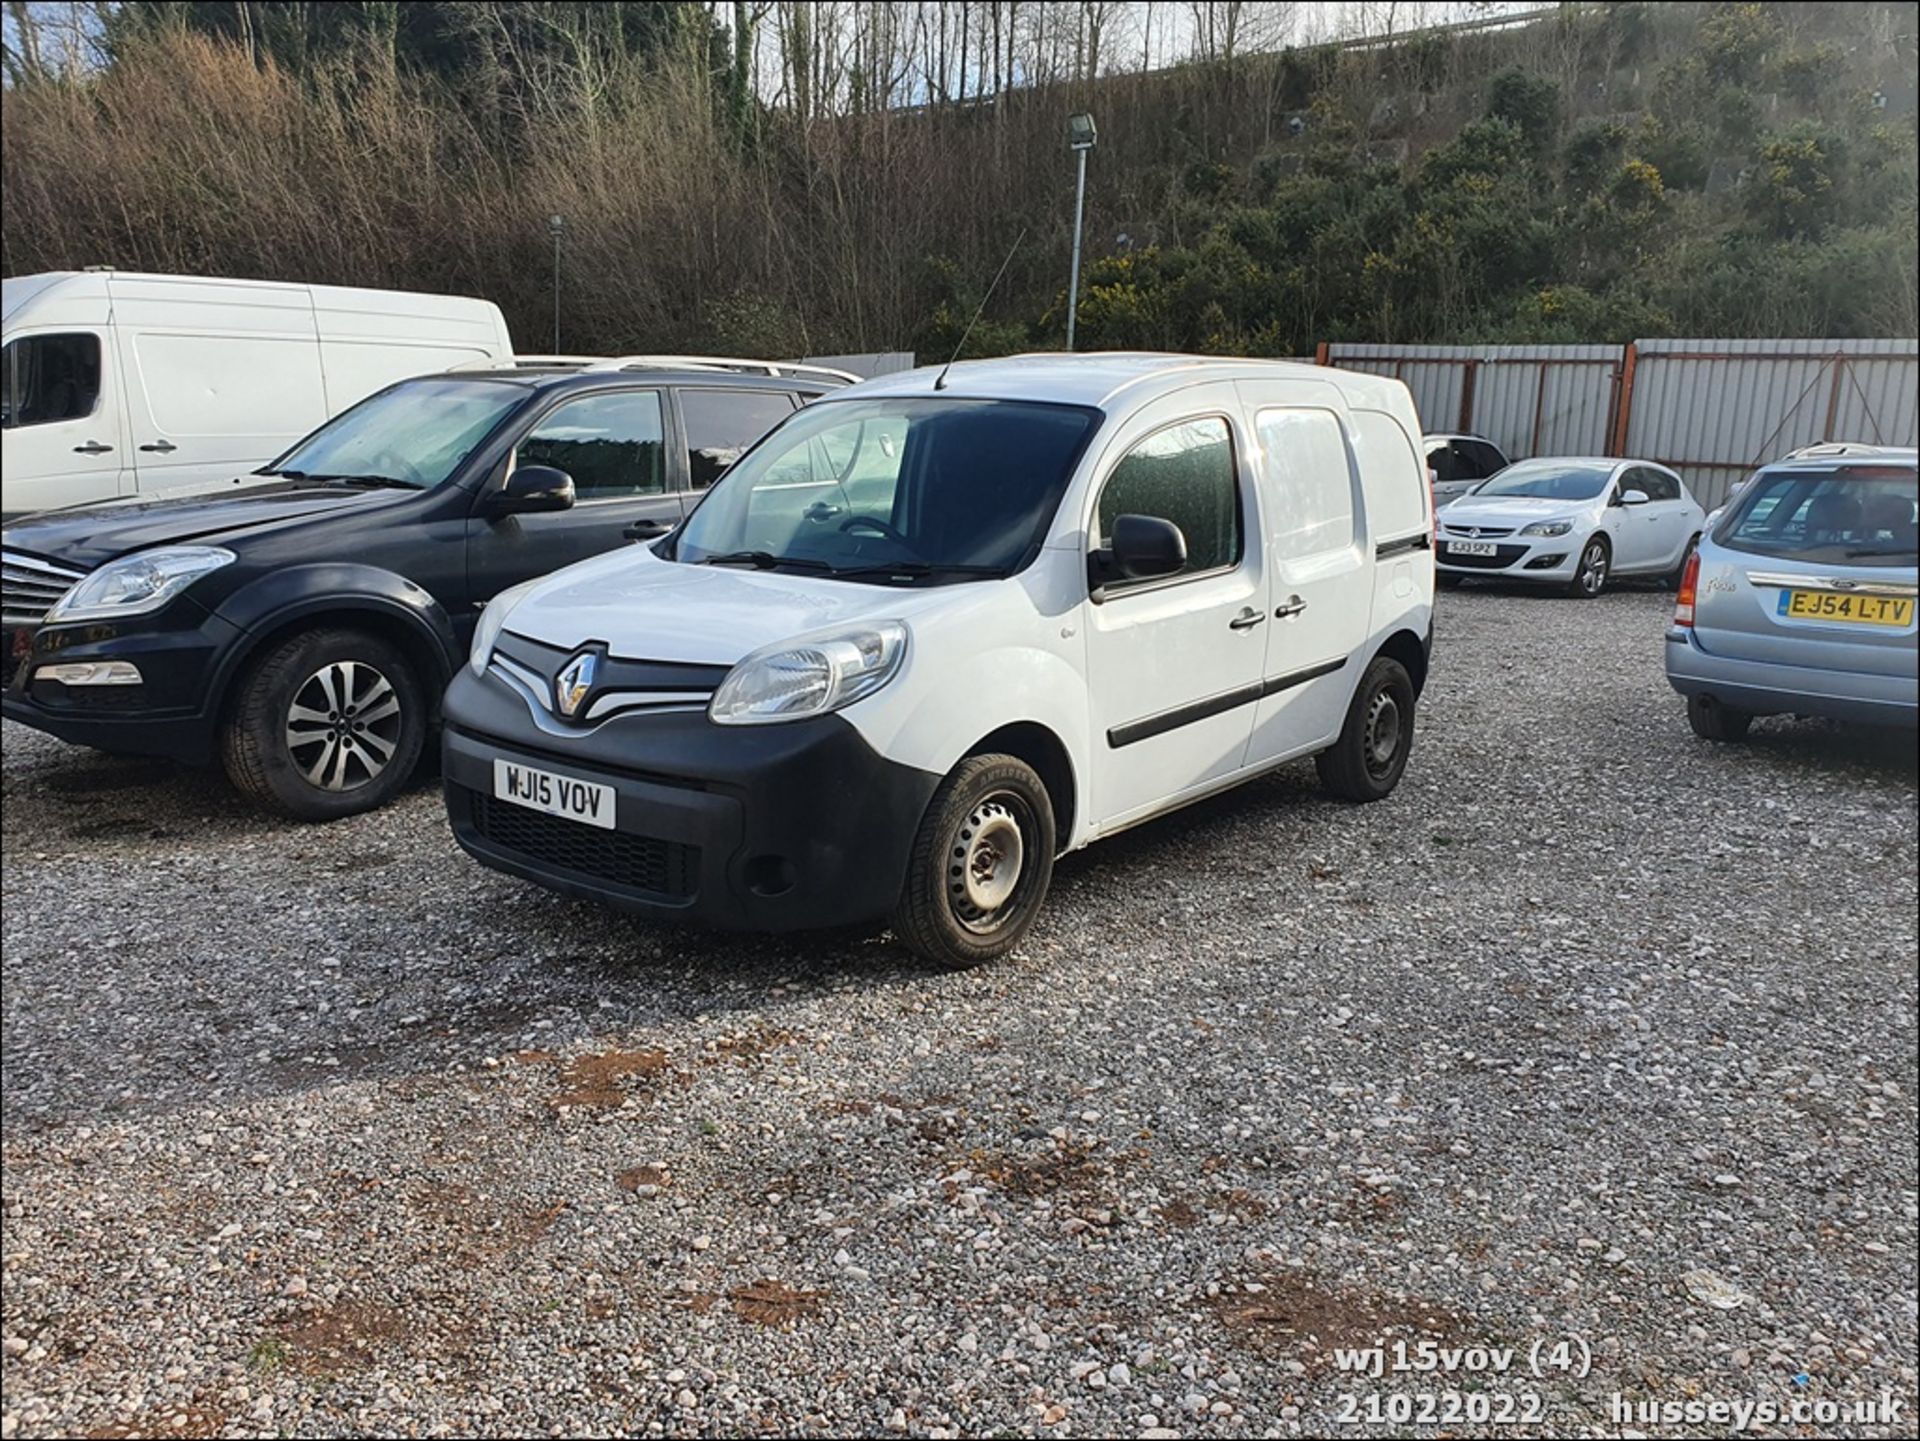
{"type": "Point", "coordinates": [1711, 409]}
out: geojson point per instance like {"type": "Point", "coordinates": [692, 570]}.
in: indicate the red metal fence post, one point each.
{"type": "Point", "coordinates": [1623, 405]}
{"type": "Point", "coordinates": [1320, 353]}
{"type": "Point", "coordinates": [1833, 396]}
{"type": "Point", "coordinates": [1470, 371]}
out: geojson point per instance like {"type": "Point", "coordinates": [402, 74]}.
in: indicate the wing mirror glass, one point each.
{"type": "Point", "coordinates": [534, 488]}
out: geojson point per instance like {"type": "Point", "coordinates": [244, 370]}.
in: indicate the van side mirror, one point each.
{"type": "Point", "coordinates": [1635, 497]}
{"type": "Point", "coordinates": [531, 489]}
{"type": "Point", "coordinates": [1139, 547]}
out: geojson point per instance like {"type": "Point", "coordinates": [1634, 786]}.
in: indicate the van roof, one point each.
{"type": "Point", "coordinates": [17, 290]}
{"type": "Point", "coordinates": [1099, 378]}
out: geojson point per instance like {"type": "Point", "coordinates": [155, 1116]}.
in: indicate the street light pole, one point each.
{"type": "Point", "coordinates": [556, 224]}
{"type": "Point", "coordinates": [1080, 139]}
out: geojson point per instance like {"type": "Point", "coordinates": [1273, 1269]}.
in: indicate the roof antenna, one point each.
{"type": "Point", "coordinates": [940, 380]}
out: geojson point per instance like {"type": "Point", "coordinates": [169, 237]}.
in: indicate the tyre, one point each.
{"type": "Point", "coordinates": [1678, 573]}
{"type": "Point", "coordinates": [981, 863]}
{"type": "Point", "coordinates": [1591, 574]}
{"type": "Point", "coordinates": [1713, 721]}
{"type": "Point", "coordinates": [328, 723]}
{"type": "Point", "coordinates": [1366, 763]}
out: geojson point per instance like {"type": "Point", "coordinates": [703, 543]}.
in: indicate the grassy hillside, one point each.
{"type": "Point", "coordinates": [1613, 171]}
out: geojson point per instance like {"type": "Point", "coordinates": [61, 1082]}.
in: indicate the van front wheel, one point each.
{"type": "Point", "coordinates": [1366, 763]}
{"type": "Point", "coordinates": [981, 863]}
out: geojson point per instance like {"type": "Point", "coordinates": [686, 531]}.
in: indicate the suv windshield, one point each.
{"type": "Point", "coordinates": [1855, 515]}
{"type": "Point", "coordinates": [903, 488]}
{"type": "Point", "coordinates": [416, 433]}
{"type": "Point", "coordinates": [1547, 480]}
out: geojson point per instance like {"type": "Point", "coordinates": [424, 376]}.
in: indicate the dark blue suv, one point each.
{"type": "Point", "coordinates": [301, 624]}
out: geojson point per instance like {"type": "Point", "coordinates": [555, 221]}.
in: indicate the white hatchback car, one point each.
{"type": "Point", "coordinates": [1573, 522]}
{"type": "Point", "coordinates": [934, 630]}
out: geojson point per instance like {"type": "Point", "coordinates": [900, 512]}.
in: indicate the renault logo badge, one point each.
{"type": "Point", "coordinates": [575, 680]}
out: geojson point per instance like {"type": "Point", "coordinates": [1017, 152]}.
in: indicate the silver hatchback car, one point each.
{"type": "Point", "coordinates": [1801, 599]}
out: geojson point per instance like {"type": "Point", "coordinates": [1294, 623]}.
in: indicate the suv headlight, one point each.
{"type": "Point", "coordinates": [492, 620]}
{"type": "Point", "coordinates": [1547, 527]}
{"type": "Point", "coordinates": [137, 584]}
{"type": "Point", "coordinates": [810, 675]}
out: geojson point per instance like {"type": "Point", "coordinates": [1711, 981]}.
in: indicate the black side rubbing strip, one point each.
{"type": "Point", "coordinates": [1167, 720]}
{"type": "Point", "coordinates": [1401, 546]}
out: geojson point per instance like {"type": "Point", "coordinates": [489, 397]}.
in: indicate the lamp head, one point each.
{"type": "Point", "coordinates": [1080, 132]}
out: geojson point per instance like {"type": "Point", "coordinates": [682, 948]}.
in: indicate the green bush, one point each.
{"type": "Point", "coordinates": [1530, 103]}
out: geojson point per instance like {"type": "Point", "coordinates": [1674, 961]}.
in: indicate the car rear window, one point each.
{"type": "Point", "coordinates": [1853, 515]}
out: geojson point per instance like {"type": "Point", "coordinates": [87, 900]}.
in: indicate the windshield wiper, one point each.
{"type": "Point", "coordinates": [919, 568]}
{"type": "Point", "coordinates": [388, 482]}
{"type": "Point", "coordinates": [763, 560]}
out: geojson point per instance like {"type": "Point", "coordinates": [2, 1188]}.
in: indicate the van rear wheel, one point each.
{"type": "Point", "coordinates": [329, 723]}
{"type": "Point", "coordinates": [981, 864]}
{"type": "Point", "coordinates": [1366, 763]}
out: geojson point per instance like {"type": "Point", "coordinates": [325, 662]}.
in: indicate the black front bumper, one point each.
{"type": "Point", "coordinates": [773, 828]}
{"type": "Point", "coordinates": [170, 713]}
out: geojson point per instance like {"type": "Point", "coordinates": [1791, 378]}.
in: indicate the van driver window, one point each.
{"type": "Point", "coordinates": [49, 378]}
{"type": "Point", "coordinates": [1185, 474]}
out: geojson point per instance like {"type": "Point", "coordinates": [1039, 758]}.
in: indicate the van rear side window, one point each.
{"type": "Point", "coordinates": [1303, 460]}
{"type": "Point", "coordinates": [49, 378]}
{"type": "Point", "coordinates": [1395, 480]}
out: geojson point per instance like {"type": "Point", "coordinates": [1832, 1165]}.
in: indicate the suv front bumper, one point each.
{"type": "Point", "coordinates": [168, 714]}
{"type": "Point", "coordinates": [776, 827]}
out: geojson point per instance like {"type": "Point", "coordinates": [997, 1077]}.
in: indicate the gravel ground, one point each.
{"type": "Point", "coordinates": [321, 1131]}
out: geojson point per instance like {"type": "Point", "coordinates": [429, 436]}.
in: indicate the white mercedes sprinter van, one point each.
{"type": "Point", "coordinates": [115, 384]}
{"type": "Point", "coordinates": [932, 631]}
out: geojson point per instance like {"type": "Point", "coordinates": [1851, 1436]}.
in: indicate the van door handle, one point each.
{"type": "Point", "coordinates": [92, 447]}
{"type": "Point", "coordinates": [646, 530]}
{"type": "Point", "coordinates": [161, 447]}
{"type": "Point", "coordinates": [1246, 620]}
{"type": "Point", "coordinates": [1294, 605]}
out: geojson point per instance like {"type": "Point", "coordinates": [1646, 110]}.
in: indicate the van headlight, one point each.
{"type": "Point", "coordinates": [492, 619]}
{"type": "Point", "coordinates": [811, 675]}
{"type": "Point", "coordinates": [1547, 527]}
{"type": "Point", "coordinates": [137, 584]}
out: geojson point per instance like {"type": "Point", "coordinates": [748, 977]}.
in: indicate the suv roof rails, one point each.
{"type": "Point", "coordinates": [659, 362]}
{"type": "Point", "coordinates": [1825, 449]}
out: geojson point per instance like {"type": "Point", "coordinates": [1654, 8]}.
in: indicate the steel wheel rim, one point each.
{"type": "Point", "coordinates": [1593, 569]}
{"type": "Point", "coordinates": [986, 862]}
{"type": "Point", "coordinates": [1381, 738]}
{"type": "Point", "coordinates": [343, 726]}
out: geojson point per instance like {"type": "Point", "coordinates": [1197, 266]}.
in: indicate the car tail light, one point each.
{"type": "Point", "coordinates": [1689, 588]}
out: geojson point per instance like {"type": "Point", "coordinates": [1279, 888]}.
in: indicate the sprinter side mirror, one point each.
{"type": "Point", "coordinates": [531, 489]}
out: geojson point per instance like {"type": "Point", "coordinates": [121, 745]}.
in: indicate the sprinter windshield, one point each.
{"type": "Point", "coordinates": [891, 491]}
{"type": "Point", "coordinates": [416, 433]}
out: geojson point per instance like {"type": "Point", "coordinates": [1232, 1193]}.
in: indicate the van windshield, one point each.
{"type": "Point", "coordinates": [897, 490]}
{"type": "Point", "coordinates": [1854, 515]}
{"type": "Point", "coordinates": [415, 433]}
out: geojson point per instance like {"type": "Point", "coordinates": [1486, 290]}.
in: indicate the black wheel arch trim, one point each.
{"type": "Point", "coordinates": [331, 590]}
